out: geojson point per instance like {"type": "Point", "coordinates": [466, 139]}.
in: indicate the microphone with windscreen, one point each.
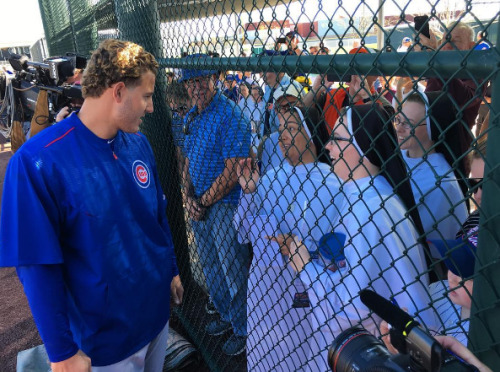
{"type": "Point", "coordinates": [406, 335]}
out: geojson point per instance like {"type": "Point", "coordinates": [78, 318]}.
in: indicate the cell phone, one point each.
{"type": "Point", "coordinates": [421, 25]}
{"type": "Point", "coordinates": [281, 40]}
{"type": "Point", "coordinates": [334, 77]}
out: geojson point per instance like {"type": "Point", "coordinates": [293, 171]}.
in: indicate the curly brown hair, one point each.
{"type": "Point", "coordinates": [116, 61]}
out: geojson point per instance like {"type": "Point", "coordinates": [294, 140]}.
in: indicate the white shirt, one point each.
{"type": "Point", "coordinates": [442, 199]}
{"type": "Point", "coordinates": [288, 199]}
{"type": "Point", "coordinates": [375, 258]}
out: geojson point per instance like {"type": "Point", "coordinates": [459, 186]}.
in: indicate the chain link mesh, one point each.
{"type": "Point", "coordinates": [275, 248]}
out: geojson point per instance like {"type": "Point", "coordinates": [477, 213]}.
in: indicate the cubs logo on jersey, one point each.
{"type": "Point", "coordinates": [141, 173]}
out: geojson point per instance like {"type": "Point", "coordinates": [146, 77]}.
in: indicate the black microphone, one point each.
{"type": "Point", "coordinates": [389, 312]}
{"type": "Point", "coordinates": [423, 349]}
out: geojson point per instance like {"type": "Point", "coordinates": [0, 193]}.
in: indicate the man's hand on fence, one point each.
{"type": "Point", "coordinates": [176, 290]}
{"type": "Point", "coordinates": [195, 210]}
{"type": "Point", "coordinates": [79, 362]}
{"type": "Point", "coordinates": [248, 175]}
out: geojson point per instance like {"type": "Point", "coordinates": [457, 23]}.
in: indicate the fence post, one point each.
{"type": "Point", "coordinates": [485, 327]}
{"type": "Point", "coordinates": [141, 24]}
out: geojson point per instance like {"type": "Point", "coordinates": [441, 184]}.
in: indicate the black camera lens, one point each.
{"type": "Point", "coordinates": [356, 349]}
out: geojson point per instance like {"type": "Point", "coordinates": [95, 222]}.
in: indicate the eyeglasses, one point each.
{"type": "Point", "coordinates": [285, 108]}
{"type": "Point", "coordinates": [405, 124]}
{"type": "Point", "coordinates": [475, 184]}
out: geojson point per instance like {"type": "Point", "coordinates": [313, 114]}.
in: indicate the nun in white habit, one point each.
{"type": "Point", "coordinates": [300, 197]}
{"type": "Point", "coordinates": [430, 140]}
{"type": "Point", "coordinates": [381, 250]}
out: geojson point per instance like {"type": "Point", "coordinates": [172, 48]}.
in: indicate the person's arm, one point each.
{"type": "Point", "coordinates": [248, 175]}
{"type": "Point", "coordinates": [402, 82]}
{"type": "Point", "coordinates": [195, 210]}
{"type": "Point", "coordinates": [47, 297]}
{"type": "Point", "coordinates": [222, 185]}
{"type": "Point", "coordinates": [320, 85]}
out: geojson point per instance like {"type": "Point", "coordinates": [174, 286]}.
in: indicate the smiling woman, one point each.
{"type": "Point", "coordinates": [377, 230]}
{"type": "Point", "coordinates": [301, 198]}
{"type": "Point", "coordinates": [426, 126]}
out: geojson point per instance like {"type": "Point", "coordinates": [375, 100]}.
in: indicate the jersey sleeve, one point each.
{"type": "Point", "coordinates": [29, 225]}
{"type": "Point", "coordinates": [44, 288]}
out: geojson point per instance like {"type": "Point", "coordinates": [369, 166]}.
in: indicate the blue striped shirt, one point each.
{"type": "Point", "coordinates": [219, 132]}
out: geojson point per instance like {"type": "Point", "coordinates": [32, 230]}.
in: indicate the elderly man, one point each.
{"type": "Point", "coordinates": [98, 263]}
{"type": "Point", "coordinates": [217, 134]}
{"type": "Point", "coordinates": [464, 91]}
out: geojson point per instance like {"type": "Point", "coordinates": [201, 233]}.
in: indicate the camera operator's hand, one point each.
{"type": "Point", "coordinates": [460, 350]}
{"type": "Point", "coordinates": [63, 114]}
{"type": "Point", "coordinates": [384, 330]}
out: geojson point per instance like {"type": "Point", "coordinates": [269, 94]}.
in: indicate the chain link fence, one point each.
{"type": "Point", "coordinates": [310, 150]}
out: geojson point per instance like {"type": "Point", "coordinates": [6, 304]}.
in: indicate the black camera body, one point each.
{"type": "Point", "coordinates": [356, 349]}
{"type": "Point", "coordinates": [31, 77]}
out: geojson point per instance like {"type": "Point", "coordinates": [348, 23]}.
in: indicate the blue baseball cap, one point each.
{"type": "Point", "coordinates": [189, 73]}
{"type": "Point", "coordinates": [331, 246]}
{"type": "Point", "coordinates": [406, 39]}
{"type": "Point", "coordinates": [459, 255]}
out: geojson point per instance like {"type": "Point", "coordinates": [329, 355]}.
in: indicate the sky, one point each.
{"type": "Point", "coordinates": [21, 23]}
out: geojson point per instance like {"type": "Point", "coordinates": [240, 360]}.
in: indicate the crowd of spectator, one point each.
{"type": "Point", "coordinates": [349, 183]}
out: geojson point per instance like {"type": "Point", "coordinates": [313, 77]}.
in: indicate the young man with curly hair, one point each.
{"type": "Point", "coordinates": [97, 262]}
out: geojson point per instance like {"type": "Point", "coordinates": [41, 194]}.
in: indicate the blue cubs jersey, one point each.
{"type": "Point", "coordinates": [96, 208]}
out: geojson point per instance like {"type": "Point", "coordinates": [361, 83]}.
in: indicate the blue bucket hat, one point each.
{"type": "Point", "coordinates": [459, 255]}
{"type": "Point", "coordinates": [191, 73]}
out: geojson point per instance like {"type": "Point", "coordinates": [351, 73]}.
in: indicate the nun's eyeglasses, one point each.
{"type": "Point", "coordinates": [286, 108]}
{"type": "Point", "coordinates": [405, 124]}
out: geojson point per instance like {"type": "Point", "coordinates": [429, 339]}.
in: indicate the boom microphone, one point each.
{"type": "Point", "coordinates": [385, 309]}
{"type": "Point", "coordinates": [424, 350]}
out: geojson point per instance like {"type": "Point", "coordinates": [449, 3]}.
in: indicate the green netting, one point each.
{"type": "Point", "coordinates": [353, 230]}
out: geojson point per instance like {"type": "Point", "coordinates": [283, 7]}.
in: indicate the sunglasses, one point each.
{"type": "Point", "coordinates": [475, 184]}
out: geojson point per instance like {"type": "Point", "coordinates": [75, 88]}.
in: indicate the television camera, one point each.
{"type": "Point", "coordinates": [22, 87]}
{"type": "Point", "coordinates": [355, 349]}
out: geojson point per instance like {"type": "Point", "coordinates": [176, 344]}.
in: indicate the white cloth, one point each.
{"type": "Point", "coordinates": [272, 156]}
{"type": "Point", "coordinates": [149, 359]}
{"type": "Point", "coordinates": [289, 199]}
{"type": "Point", "coordinates": [253, 111]}
{"type": "Point", "coordinates": [449, 313]}
{"type": "Point", "coordinates": [377, 236]}
{"type": "Point", "coordinates": [442, 201]}
{"type": "Point", "coordinates": [420, 88]}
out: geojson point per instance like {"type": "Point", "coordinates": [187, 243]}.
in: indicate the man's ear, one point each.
{"type": "Point", "coordinates": [118, 91]}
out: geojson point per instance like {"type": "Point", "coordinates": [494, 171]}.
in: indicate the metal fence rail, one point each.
{"type": "Point", "coordinates": [290, 313]}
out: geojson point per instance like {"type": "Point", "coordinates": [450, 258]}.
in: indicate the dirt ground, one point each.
{"type": "Point", "coordinates": [17, 328]}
